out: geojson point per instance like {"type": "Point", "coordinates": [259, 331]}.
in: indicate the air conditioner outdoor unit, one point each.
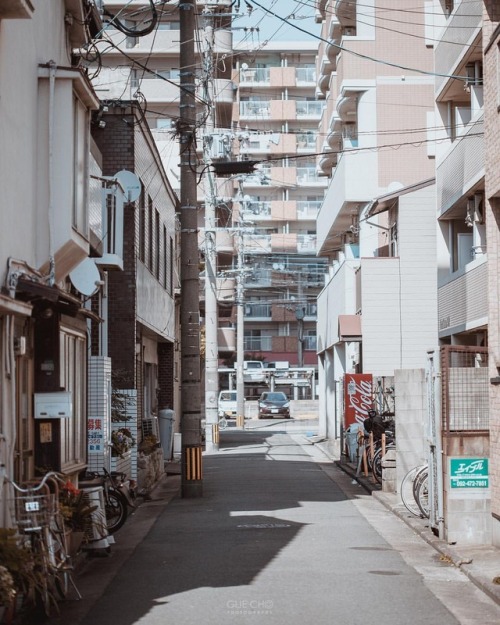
{"type": "Point", "coordinates": [150, 427]}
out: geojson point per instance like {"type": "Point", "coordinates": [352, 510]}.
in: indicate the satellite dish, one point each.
{"type": "Point", "coordinates": [244, 66]}
{"type": "Point", "coordinates": [130, 183]}
{"type": "Point", "coordinates": [86, 277]}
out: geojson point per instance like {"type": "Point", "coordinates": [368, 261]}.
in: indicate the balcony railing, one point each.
{"type": "Point", "coordinates": [261, 311]}
{"type": "Point", "coordinates": [255, 74]}
{"type": "Point", "coordinates": [308, 109]}
{"type": "Point", "coordinates": [257, 343]}
{"type": "Point", "coordinates": [306, 141]}
{"type": "Point", "coordinates": [306, 74]}
{"type": "Point", "coordinates": [307, 174]}
{"type": "Point", "coordinates": [308, 209]}
{"type": "Point", "coordinates": [306, 243]}
{"type": "Point", "coordinates": [310, 342]}
{"type": "Point", "coordinates": [260, 209]}
{"type": "Point", "coordinates": [254, 108]}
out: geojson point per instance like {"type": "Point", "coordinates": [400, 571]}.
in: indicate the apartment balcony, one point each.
{"type": "Point", "coordinates": [257, 243]}
{"type": "Point", "coordinates": [256, 211]}
{"type": "Point", "coordinates": [280, 110]}
{"type": "Point", "coordinates": [306, 243]}
{"type": "Point", "coordinates": [167, 41]}
{"type": "Point", "coordinates": [258, 279]}
{"type": "Point", "coordinates": [308, 209]}
{"type": "Point", "coordinates": [155, 89]}
{"type": "Point", "coordinates": [347, 189]}
{"type": "Point", "coordinates": [226, 289]}
{"type": "Point", "coordinates": [337, 298]}
{"type": "Point", "coordinates": [462, 26]}
{"type": "Point", "coordinates": [258, 343]}
{"type": "Point", "coordinates": [463, 301]}
{"type": "Point", "coordinates": [277, 77]}
{"type": "Point", "coordinates": [226, 339]}
{"type": "Point", "coordinates": [224, 241]}
{"type": "Point", "coordinates": [324, 73]}
{"type": "Point", "coordinates": [462, 167]}
{"type": "Point", "coordinates": [275, 210]}
{"type": "Point", "coordinates": [164, 41]}
{"type": "Point", "coordinates": [257, 312]}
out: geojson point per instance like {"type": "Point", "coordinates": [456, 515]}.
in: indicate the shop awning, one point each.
{"type": "Point", "coordinates": [349, 328]}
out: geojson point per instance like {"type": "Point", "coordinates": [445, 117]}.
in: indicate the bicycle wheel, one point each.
{"type": "Point", "coordinates": [377, 465]}
{"type": "Point", "coordinates": [421, 491]}
{"type": "Point", "coordinates": [45, 582]}
{"type": "Point", "coordinates": [116, 510]}
{"type": "Point", "coordinates": [59, 561]}
{"type": "Point", "coordinates": [406, 492]}
{"type": "Point", "coordinates": [222, 423]}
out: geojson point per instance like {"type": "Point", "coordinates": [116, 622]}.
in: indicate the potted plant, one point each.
{"type": "Point", "coordinates": [122, 441]}
{"type": "Point", "coordinates": [20, 576]}
{"type": "Point", "coordinates": [7, 592]}
{"type": "Point", "coordinates": [77, 514]}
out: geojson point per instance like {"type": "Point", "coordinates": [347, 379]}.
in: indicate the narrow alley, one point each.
{"type": "Point", "coordinates": [281, 535]}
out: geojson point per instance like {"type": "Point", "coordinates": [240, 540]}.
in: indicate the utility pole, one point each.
{"type": "Point", "coordinates": [299, 315]}
{"type": "Point", "coordinates": [191, 463]}
{"type": "Point", "coordinates": [211, 312]}
{"type": "Point", "coordinates": [240, 345]}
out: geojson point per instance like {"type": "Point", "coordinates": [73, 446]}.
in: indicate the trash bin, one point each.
{"type": "Point", "coordinates": [166, 418]}
{"type": "Point", "coordinates": [352, 440]}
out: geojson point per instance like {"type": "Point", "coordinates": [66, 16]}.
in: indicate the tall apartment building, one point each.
{"type": "Point", "coordinates": [264, 106]}
{"type": "Point", "coordinates": [377, 224]}
{"type": "Point", "coordinates": [275, 122]}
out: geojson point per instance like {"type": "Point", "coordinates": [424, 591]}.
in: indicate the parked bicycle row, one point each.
{"type": "Point", "coordinates": [51, 521]}
{"type": "Point", "coordinates": [367, 445]}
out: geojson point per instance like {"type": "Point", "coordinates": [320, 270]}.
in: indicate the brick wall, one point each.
{"type": "Point", "coordinates": [492, 189]}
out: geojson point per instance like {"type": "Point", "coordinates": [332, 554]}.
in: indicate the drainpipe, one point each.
{"type": "Point", "coordinates": [52, 89]}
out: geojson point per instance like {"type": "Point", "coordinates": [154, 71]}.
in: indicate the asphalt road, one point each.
{"type": "Point", "coordinates": [281, 536]}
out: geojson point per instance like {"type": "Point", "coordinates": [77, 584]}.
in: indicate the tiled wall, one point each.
{"type": "Point", "coordinates": [99, 415]}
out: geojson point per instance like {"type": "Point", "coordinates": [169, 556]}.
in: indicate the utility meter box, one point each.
{"type": "Point", "coordinates": [53, 405]}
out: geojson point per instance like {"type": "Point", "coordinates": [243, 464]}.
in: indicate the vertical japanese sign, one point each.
{"type": "Point", "coordinates": [95, 436]}
{"type": "Point", "coordinates": [358, 399]}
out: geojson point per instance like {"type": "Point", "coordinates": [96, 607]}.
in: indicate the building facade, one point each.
{"type": "Point", "coordinates": [44, 235]}
{"type": "Point", "coordinates": [377, 223]}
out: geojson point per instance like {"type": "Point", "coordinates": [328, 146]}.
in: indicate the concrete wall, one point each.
{"type": "Point", "coordinates": [411, 417]}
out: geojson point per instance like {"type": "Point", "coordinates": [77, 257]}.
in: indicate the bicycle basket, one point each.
{"type": "Point", "coordinates": [32, 512]}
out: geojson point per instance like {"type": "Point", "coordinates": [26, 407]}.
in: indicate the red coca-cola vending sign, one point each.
{"type": "Point", "coordinates": [358, 398]}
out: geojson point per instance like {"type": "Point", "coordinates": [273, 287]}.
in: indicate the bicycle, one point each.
{"type": "Point", "coordinates": [41, 529]}
{"type": "Point", "coordinates": [116, 496]}
{"type": "Point", "coordinates": [414, 491]}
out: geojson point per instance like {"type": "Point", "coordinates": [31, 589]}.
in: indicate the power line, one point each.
{"type": "Point", "coordinates": [364, 56]}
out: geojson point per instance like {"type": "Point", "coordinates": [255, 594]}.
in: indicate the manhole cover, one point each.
{"type": "Point", "coordinates": [384, 572]}
{"type": "Point", "coordinates": [371, 548]}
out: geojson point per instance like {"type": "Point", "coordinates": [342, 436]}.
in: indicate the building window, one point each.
{"type": "Point", "coordinates": [142, 227]}
{"type": "Point", "coordinates": [165, 258]}
{"type": "Point", "coordinates": [73, 378]}
{"type": "Point", "coordinates": [80, 164]}
{"type": "Point", "coordinates": [157, 245]}
{"type": "Point", "coordinates": [149, 250]}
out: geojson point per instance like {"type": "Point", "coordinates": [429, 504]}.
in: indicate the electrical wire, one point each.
{"type": "Point", "coordinates": [364, 56]}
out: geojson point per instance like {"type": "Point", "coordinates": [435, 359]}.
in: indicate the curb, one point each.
{"type": "Point", "coordinates": [481, 564]}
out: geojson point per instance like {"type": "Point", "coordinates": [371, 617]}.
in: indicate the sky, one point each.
{"type": "Point", "coordinates": [297, 12]}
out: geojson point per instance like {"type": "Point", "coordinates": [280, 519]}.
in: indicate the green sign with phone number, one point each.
{"type": "Point", "coordinates": [469, 473]}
